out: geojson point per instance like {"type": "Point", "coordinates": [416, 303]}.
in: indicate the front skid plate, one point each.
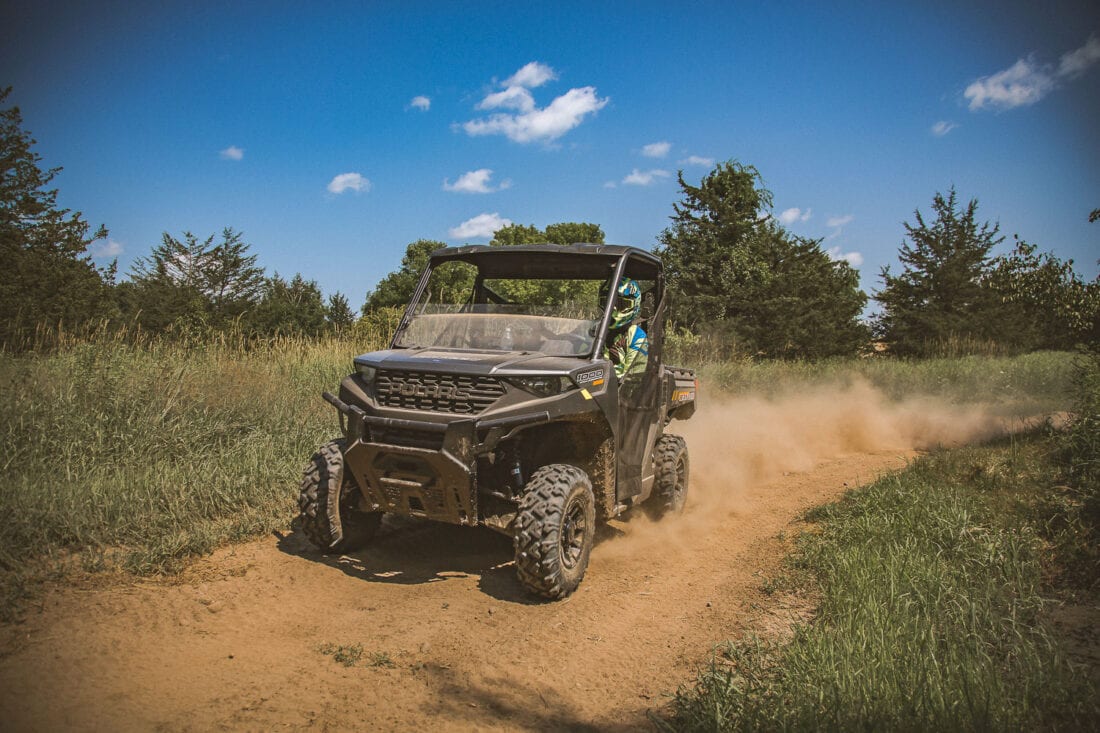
{"type": "Point", "coordinates": [415, 482]}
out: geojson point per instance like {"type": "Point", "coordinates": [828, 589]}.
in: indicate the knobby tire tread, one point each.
{"type": "Point", "coordinates": [316, 500]}
{"type": "Point", "coordinates": [538, 526]}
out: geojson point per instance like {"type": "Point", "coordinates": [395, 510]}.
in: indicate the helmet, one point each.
{"type": "Point", "coordinates": [628, 303]}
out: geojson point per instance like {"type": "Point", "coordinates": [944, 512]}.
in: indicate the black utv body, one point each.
{"type": "Point", "coordinates": [497, 404]}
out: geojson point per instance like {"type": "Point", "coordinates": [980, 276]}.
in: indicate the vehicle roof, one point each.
{"type": "Point", "coordinates": [570, 260]}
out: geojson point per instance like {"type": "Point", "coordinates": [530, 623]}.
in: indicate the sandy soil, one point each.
{"type": "Point", "coordinates": [234, 644]}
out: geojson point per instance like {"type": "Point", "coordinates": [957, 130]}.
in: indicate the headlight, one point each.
{"type": "Point", "coordinates": [367, 373]}
{"type": "Point", "coordinates": [542, 386]}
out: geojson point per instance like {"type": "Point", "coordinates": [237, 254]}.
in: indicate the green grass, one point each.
{"type": "Point", "coordinates": [1039, 381]}
{"type": "Point", "coordinates": [139, 453]}
{"type": "Point", "coordinates": [142, 455]}
{"type": "Point", "coordinates": [932, 586]}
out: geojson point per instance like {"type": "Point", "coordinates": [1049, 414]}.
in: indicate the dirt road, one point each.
{"type": "Point", "coordinates": [450, 640]}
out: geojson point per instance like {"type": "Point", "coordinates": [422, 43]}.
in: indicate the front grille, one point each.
{"type": "Point", "coordinates": [462, 394]}
{"type": "Point", "coordinates": [408, 438]}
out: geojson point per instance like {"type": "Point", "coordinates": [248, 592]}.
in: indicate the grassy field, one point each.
{"type": "Point", "coordinates": [934, 591]}
{"type": "Point", "coordinates": [933, 585]}
{"type": "Point", "coordinates": [142, 455]}
{"type": "Point", "coordinates": [1041, 381]}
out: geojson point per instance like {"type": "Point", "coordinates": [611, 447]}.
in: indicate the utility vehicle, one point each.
{"type": "Point", "coordinates": [498, 404]}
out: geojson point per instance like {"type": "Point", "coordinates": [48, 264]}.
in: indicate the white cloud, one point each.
{"type": "Point", "coordinates": [232, 153]}
{"type": "Point", "coordinates": [698, 160]}
{"type": "Point", "coordinates": [475, 182]}
{"type": "Point", "coordinates": [1021, 84]}
{"type": "Point", "coordinates": [855, 259]}
{"type": "Point", "coordinates": [839, 221]}
{"type": "Point", "coordinates": [644, 178]}
{"type": "Point", "coordinates": [610, 184]}
{"type": "Point", "coordinates": [531, 123]}
{"type": "Point", "coordinates": [516, 98]}
{"type": "Point", "coordinates": [1027, 81]}
{"type": "Point", "coordinates": [106, 250]}
{"type": "Point", "coordinates": [790, 216]}
{"type": "Point", "coordinates": [656, 150]}
{"type": "Point", "coordinates": [943, 127]}
{"type": "Point", "coordinates": [348, 181]}
{"type": "Point", "coordinates": [482, 226]}
{"type": "Point", "coordinates": [531, 75]}
{"type": "Point", "coordinates": [1079, 60]}
{"type": "Point", "coordinates": [421, 102]}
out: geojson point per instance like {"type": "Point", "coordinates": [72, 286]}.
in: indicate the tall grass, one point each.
{"type": "Point", "coordinates": [931, 587]}
{"type": "Point", "coordinates": [125, 449]}
{"type": "Point", "coordinates": [1041, 381]}
{"type": "Point", "coordinates": [151, 450]}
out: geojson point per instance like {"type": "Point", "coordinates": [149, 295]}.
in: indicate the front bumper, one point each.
{"type": "Point", "coordinates": [435, 483]}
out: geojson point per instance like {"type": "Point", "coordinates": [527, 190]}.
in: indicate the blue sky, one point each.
{"type": "Point", "coordinates": [333, 134]}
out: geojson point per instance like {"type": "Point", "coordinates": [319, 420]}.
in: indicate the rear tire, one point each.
{"type": "Point", "coordinates": [671, 483]}
{"type": "Point", "coordinates": [328, 502]}
{"type": "Point", "coordinates": [555, 527]}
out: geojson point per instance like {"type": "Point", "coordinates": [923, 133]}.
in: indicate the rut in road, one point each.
{"type": "Point", "coordinates": [449, 639]}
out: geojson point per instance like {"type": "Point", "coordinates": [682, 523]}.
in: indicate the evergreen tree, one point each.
{"type": "Point", "coordinates": [289, 307]}
{"type": "Point", "coordinates": [338, 312]}
{"type": "Point", "coordinates": [46, 275]}
{"type": "Point", "coordinates": [736, 273]}
{"type": "Point", "coordinates": [194, 283]}
{"type": "Point", "coordinates": [707, 251]}
{"type": "Point", "coordinates": [940, 294]}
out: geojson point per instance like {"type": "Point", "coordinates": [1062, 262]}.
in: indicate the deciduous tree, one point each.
{"type": "Point", "coordinates": [1042, 302]}
{"type": "Point", "coordinates": [453, 284]}
{"type": "Point", "coordinates": [395, 289]}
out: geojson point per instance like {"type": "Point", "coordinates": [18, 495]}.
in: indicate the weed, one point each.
{"type": "Point", "coordinates": [345, 654]}
{"type": "Point", "coordinates": [380, 659]}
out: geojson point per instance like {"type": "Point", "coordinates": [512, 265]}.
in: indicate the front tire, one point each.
{"type": "Point", "coordinates": [555, 527]}
{"type": "Point", "coordinates": [328, 502]}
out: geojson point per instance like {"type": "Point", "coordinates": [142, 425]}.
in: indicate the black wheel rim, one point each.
{"type": "Point", "coordinates": [574, 530]}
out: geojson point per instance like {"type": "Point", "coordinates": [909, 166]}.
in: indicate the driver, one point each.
{"type": "Point", "coordinates": [627, 344]}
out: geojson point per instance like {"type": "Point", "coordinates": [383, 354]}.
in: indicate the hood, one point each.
{"type": "Point", "coordinates": [470, 362]}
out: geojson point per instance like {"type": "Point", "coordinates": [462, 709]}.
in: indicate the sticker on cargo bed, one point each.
{"type": "Point", "coordinates": [590, 376]}
{"type": "Point", "coordinates": [683, 395]}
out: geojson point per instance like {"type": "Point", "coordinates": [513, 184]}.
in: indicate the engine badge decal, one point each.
{"type": "Point", "coordinates": [590, 376]}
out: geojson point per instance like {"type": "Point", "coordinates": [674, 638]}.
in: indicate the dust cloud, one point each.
{"type": "Point", "coordinates": [740, 443]}
{"type": "Point", "coordinates": [735, 441]}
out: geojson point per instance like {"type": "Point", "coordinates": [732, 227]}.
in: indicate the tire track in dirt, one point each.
{"type": "Point", "coordinates": [234, 643]}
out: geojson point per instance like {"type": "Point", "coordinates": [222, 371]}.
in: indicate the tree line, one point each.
{"type": "Point", "coordinates": [736, 275]}
{"type": "Point", "coordinates": [185, 284]}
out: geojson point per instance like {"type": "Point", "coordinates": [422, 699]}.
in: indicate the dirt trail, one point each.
{"type": "Point", "coordinates": [235, 644]}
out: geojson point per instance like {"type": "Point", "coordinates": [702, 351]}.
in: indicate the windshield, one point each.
{"type": "Point", "coordinates": [460, 310]}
